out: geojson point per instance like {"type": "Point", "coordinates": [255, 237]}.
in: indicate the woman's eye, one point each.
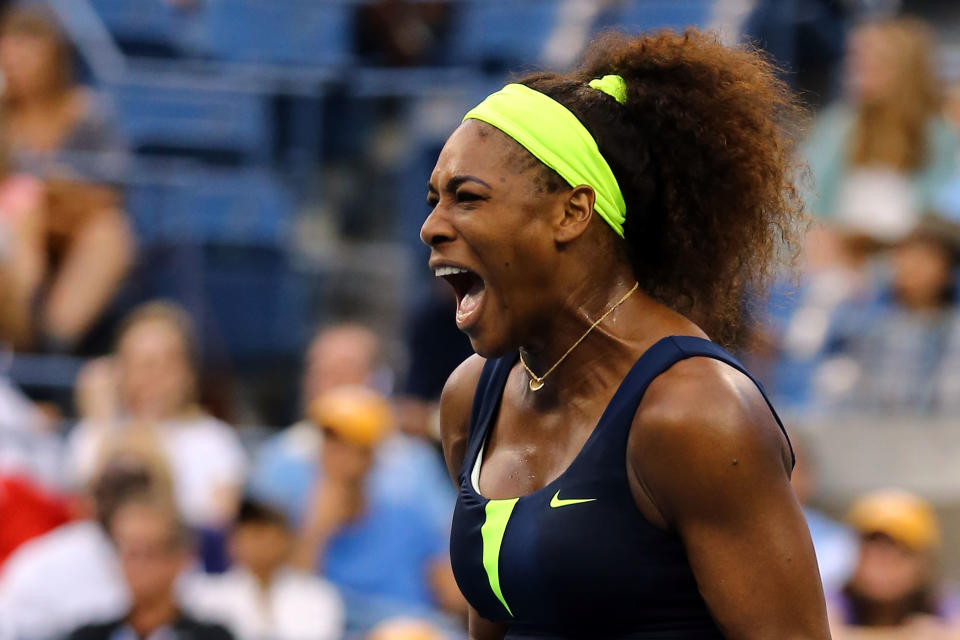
{"type": "Point", "coordinates": [432, 202]}
{"type": "Point", "coordinates": [466, 196]}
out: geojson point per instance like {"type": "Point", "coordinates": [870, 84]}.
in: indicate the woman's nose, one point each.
{"type": "Point", "coordinates": [436, 229]}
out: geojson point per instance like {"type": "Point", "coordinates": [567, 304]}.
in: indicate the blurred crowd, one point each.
{"type": "Point", "coordinates": [135, 510]}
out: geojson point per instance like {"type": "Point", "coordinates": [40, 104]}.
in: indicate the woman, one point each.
{"type": "Point", "coordinates": [620, 476]}
{"type": "Point", "coordinates": [891, 126]}
{"type": "Point", "coordinates": [148, 392]}
{"type": "Point", "coordinates": [77, 245]}
{"type": "Point", "coordinates": [897, 350]}
{"type": "Point", "coordinates": [894, 592]}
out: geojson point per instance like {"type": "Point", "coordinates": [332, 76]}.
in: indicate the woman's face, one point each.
{"type": "Point", "coordinates": [28, 63]}
{"type": "Point", "coordinates": [922, 271]}
{"type": "Point", "coordinates": [157, 378]}
{"type": "Point", "coordinates": [490, 232]}
{"type": "Point", "coordinates": [872, 65]}
{"type": "Point", "coordinates": [887, 571]}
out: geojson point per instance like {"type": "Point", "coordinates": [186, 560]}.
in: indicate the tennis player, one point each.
{"type": "Point", "coordinates": [620, 474]}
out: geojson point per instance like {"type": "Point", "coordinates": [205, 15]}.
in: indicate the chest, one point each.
{"type": "Point", "coordinates": [43, 131]}
{"type": "Point", "coordinates": [574, 549]}
{"type": "Point", "coordinates": [527, 449]}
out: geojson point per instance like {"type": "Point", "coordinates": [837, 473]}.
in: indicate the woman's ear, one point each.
{"type": "Point", "coordinates": [577, 212]}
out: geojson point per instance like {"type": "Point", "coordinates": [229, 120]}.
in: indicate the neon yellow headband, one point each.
{"type": "Point", "coordinates": [554, 136]}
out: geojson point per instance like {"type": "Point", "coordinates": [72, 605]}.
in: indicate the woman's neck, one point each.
{"type": "Point", "coordinates": [41, 120]}
{"type": "Point", "coordinates": [147, 617]}
{"type": "Point", "coordinates": [600, 360]}
{"type": "Point", "coordinates": [49, 100]}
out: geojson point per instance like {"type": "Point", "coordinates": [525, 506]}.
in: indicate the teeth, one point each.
{"type": "Point", "coordinates": [448, 271]}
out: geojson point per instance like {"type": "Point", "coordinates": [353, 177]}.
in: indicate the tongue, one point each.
{"type": "Point", "coordinates": [469, 303]}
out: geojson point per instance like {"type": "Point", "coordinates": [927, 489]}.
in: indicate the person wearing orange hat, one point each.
{"type": "Point", "coordinates": [893, 592]}
{"type": "Point", "coordinates": [353, 420]}
{"type": "Point", "coordinates": [386, 556]}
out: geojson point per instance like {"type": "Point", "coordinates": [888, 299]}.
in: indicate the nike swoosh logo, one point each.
{"type": "Point", "coordinates": [557, 502]}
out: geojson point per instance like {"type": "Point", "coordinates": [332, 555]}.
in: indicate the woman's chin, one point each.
{"type": "Point", "coordinates": [490, 345]}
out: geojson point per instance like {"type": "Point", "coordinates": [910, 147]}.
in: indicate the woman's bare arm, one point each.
{"type": "Point", "coordinates": [708, 454]}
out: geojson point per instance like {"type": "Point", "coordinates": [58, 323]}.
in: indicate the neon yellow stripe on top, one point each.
{"type": "Point", "coordinates": [494, 526]}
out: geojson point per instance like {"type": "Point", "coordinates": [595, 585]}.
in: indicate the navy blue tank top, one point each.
{"type": "Point", "coordinates": [577, 559]}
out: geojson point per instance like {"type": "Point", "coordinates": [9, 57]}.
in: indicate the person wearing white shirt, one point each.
{"type": "Point", "coordinates": [262, 597]}
{"type": "Point", "coordinates": [71, 575]}
{"type": "Point", "coordinates": [151, 383]}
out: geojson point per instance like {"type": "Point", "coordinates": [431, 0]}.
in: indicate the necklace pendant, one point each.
{"type": "Point", "coordinates": [536, 384]}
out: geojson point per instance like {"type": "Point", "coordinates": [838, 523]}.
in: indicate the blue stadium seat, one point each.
{"type": "Point", "coordinates": [138, 21]}
{"type": "Point", "coordinates": [644, 15]}
{"type": "Point", "coordinates": [502, 33]}
{"type": "Point", "coordinates": [149, 26]}
{"type": "Point", "coordinates": [158, 116]}
{"type": "Point", "coordinates": [305, 32]}
{"type": "Point", "coordinates": [218, 242]}
{"type": "Point", "coordinates": [234, 208]}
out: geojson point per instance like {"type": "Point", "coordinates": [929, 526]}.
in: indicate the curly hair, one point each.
{"type": "Point", "coordinates": [704, 152]}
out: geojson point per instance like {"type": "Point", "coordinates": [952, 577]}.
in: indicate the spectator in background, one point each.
{"type": "Point", "coordinates": [22, 214]}
{"type": "Point", "coordinates": [262, 596]}
{"type": "Point", "coordinates": [154, 548]}
{"type": "Point", "coordinates": [890, 125]}
{"type": "Point", "coordinates": [894, 593]}
{"type": "Point", "coordinates": [30, 450]}
{"type": "Point", "coordinates": [78, 246]}
{"type": "Point", "coordinates": [151, 385]}
{"type": "Point", "coordinates": [387, 556]}
{"type": "Point", "coordinates": [901, 351]}
{"type": "Point", "coordinates": [877, 159]}
{"type": "Point", "coordinates": [289, 465]}
{"type": "Point", "coordinates": [26, 511]}
{"type": "Point", "coordinates": [70, 575]}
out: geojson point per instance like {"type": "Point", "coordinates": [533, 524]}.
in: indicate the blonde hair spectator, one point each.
{"type": "Point", "coordinates": [893, 70]}
{"type": "Point", "coordinates": [149, 388]}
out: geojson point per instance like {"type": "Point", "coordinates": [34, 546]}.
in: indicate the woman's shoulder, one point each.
{"type": "Point", "coordinates": [456, 403]}
{"type": "Point", "coordinates": [94, 121]}
{"type": "Point", "coordinates": [698, 422]}
{"type": "Point", "coordinates": [706, 396]}
{"type": "Point", "coordinates": [90, 105]}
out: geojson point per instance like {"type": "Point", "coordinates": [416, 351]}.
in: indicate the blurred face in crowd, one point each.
{"type": "Point", "coordinates": [31, 59]}
{"type": "Point", "coordinates": [888, 571]}
{"type": "Point", "coordinates": [922, 272]}
{"type": "Point", "coordinates": [151, 552]}
{"type": "Point", "coordinates": [343, 460]}
{"type": "Point", "coordinates": [260, 546]}
{"type": "Point", "coordinates": [892, 62]}
{"type": "Point", "coordinates": [873, 65]}
{"type": "Point", "coordinates": [338, 357]}
{"type": "Point", "coordinates": [157, 378]}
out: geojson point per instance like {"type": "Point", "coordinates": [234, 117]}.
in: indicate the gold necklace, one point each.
{"type": "Point", "coordinates": [536, 382]}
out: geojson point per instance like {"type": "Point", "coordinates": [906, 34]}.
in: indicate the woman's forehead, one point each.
{"type": "Point", "coordinates": [476, 148]}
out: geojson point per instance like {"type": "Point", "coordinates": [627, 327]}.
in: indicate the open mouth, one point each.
{"type": "Point", "coordinates": [469, 288]}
